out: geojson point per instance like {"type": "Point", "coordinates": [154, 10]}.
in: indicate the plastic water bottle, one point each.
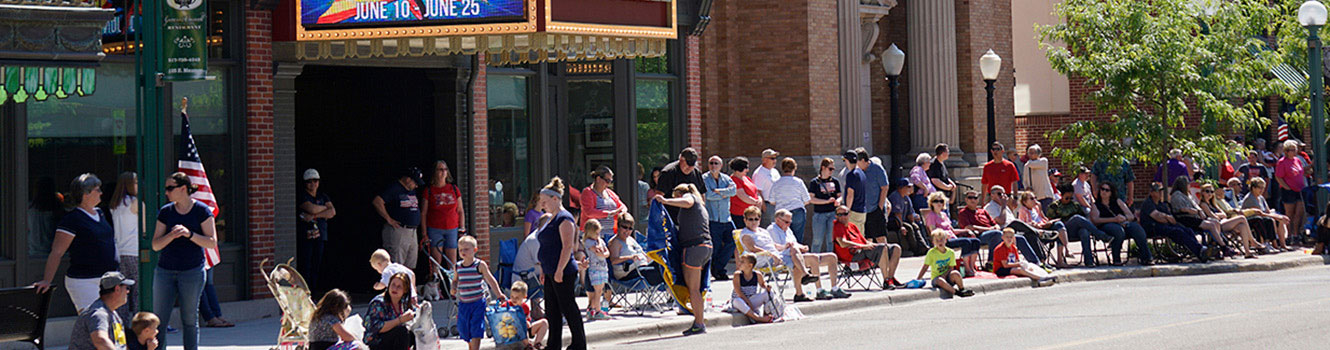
{"type": "Point", "coordinates": [708, 303]}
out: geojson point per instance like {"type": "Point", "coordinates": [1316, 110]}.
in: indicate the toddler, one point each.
{"type": "Point", "coordinates": [597, 270]}
{"type": "Point", "coordinates": [537, 328]}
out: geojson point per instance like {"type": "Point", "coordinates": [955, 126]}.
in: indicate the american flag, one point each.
{"type": "Point", "coordinates": [1281, 131]}
{"type": "Point", "coordinates": [190, 164]}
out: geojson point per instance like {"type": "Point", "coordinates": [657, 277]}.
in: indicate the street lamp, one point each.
{"type": "Point", "coordinates": [893, 59]}
{"type": "Point", "coordinates": [989, 65]}
{"type": "Point", "coordinates": [1312, 15]}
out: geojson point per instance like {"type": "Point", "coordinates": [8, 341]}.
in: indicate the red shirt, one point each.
{"type": "Point", "coordinates": [525, 308]}
{"type": "Point", "coordinates": [1004, 253]}
{"type": "Point", "coordinates": [971, 217]}
{"type": "Point", "coordinates": [442, 206]}
{"type": "Point", "coordinates": [1000, 174]}
{"type": "Point", "coordinates": [742, 183]}
{"type": "Point", "coordinates": [849, 232]}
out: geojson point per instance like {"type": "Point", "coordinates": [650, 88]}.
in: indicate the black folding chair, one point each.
{"type": "Point", "coordinates": [23, 314]}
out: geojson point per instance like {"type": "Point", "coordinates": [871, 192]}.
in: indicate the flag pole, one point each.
{"type": "Point", "coordinates": [150, 142]}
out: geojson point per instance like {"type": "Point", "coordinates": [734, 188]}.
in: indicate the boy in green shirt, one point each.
{"type": "Point", "coordinates": [942, 262]}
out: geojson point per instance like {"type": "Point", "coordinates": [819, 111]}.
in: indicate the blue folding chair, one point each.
{"type": "Point", "coordinates": [507, 257]}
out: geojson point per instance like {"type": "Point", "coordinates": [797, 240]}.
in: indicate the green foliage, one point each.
{"type": "Point", "coordinates": [1156, 60]}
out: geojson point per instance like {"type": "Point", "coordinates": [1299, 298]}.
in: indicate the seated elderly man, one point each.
{"type": "Point", "coordinates": [776, 246]}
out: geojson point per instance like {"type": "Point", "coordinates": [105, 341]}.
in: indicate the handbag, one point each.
{"type": "Point", "coordinates": [507, 323]}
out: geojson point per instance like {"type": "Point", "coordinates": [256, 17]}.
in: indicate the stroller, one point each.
{"type": "Point", "coordinates": [292, 295]}
{"type": "Point", "coordinates": [444, 277]}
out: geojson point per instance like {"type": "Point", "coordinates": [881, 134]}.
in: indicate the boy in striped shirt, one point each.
{"type": "Point", "coordinates": [469, 288]}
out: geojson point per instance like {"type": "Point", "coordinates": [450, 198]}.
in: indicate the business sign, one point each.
{"type": "Point", "coordinates": [331, 14]}
{"type": "Point", "coordinates": [185, 40]}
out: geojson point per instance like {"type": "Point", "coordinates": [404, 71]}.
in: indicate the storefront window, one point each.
{"type": "Point", "coordinates": [652, 65]}
{"type": "Point", "coordinates": [509, 147]}
{"type": "Point", "coordinates": [208, 122]}
{"type": "Point", "coordinates": [68, 137]}
{"type": "Point", "coordinates": [653, 132]}
{"type": "Point", "coordinates": [590, 129]}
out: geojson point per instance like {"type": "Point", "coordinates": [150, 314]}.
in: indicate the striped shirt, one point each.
{"type": "Point", "coordinates": [470, 283]}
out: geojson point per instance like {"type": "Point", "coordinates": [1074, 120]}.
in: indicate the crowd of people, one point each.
{"type": "Point", "coordinates": [764, 218]}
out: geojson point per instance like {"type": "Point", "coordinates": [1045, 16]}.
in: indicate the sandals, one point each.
{"type": "Point", "coordinates": [218, 322]}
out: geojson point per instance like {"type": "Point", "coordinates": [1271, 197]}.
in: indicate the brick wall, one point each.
{"type": "Point", "coordinates": [824, 116]}
{"type": "Point", "coordinates": [259, 155]}
{"type": "Point", "coordinates": [982, 25]}
{"type": "Point", "coordinates": [480, 216]}
{"type": "Point", "coordinates": [693, 82]}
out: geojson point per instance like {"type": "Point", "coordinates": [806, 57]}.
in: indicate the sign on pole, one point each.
{"type": "Point", "coordinates": [185, 40]}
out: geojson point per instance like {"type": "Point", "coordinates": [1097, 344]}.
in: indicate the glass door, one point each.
{"type": "Point", "coordinates": [590, 120]}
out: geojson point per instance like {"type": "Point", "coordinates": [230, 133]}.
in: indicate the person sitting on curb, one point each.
{"type": "Point", "coordinates": [762, 243]}
{"type": "Point", "coordinates": [750, 289]}
{"type": "Point", "coordinates": [941, 261]}
{"type": "Point", "coordinates": [851, 246]}
{"type": "Point", "coordinates": [1007, 262]}
{"type": "Point", "coordinates": [98, 326]}
{"type": "Point", "coordinates": [1157, 218]}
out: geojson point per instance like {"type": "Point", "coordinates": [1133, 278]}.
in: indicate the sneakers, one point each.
{"type": "Point", "coordinates": [799, 298]}
{"type": "Point", "coordinates": [964, 293]}
{"type": "Point", "coordinates": [839, 294]}
{"type": "Point", "coordinates": [824, 295]}
{"type": "Point", "coordinates": [599, 316]}
{"type": "Point", "coordinates": [808, 279]}
{"type": "Point", "coordinates": [695, 329]}
{"type": "Point", "coordinates": [1046, 281]}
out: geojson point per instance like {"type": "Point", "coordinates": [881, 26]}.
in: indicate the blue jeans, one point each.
{"type": "Point", "coordinates": [993, 238]}
{"type": "Point", "coordinates": [967, 245]}
{"type": "Point", "coordinates": [1178, 234]}
{"type": "Point", "coordinates": [1120, 233]}
{"type": "Point", "coordinates": [722, 242]}
{"type": "Point", "coordinates": [184, 287]}
{"type": "Point", "coordinates": [208, 306]}
{"type": "Point", "coordinates": [822, 241]}
{"type": "Point", "coordinates": [797, 219]}
{"type": "Point", "coordinates": [1080, 228]}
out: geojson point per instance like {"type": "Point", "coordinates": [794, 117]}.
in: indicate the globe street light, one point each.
{"type": "Point", "coordinates": [893, 59]}
{"type": "Point", "coordinates": [1312, 15]}
{"type": "Point", "coordinates": [989, 65]}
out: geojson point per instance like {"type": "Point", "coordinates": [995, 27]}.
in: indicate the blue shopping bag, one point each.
{"type": "Point", "coordinates": [507, 323]}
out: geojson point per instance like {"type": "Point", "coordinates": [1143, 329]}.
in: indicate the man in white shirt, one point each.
{"type": "Point", "coordinates": [1003, 215]}
{"type": "Point", "coordinates": [1036, 177]}
{"type": "Point", "coordinates": [1082, 185]}
{"type": "Point", "coordinates": [783, 241]}
{"type": "Point", "coordinates": [789, 193]}
{"type": "Point", "coordinates": [765, 176]}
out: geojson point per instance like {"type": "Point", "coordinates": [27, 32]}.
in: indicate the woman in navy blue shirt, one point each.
{"type": "Point", "coordinates": [557, 240]}
{"type": "Point", "coordinates": [88, 236]}
{"type": "Point", "coordinates": [184, 228]}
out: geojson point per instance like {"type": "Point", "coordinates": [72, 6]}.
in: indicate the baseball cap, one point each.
{"type": "Point", "coordinates": [768, 153]}
{"type": "Point", "coordinates": [414, 174]}
{"type": "Point", "coordinates": [114, 278]}
{"type": "Point", "coordinates": [850, 156]}
{"type": "Point", "coordinates": [311, 174]}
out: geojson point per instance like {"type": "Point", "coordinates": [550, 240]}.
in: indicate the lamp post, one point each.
{"type": "Point", "coordinates": [989, 65]}
{"type": "Point", "coordinates": [1312, 15]}
{"type": "Point", "coordinates": [893, 59]}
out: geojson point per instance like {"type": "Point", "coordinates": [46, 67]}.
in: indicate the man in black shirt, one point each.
{"type": "Point", "coordinates": [683, 171]}
{"type": "Point", "coordinates": [937, 173]}
{"type": "Point", "coordinates": [1157, 218]}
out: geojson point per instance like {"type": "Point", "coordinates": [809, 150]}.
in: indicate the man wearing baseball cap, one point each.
{"type": "Point", "coordinates": [400, 210]}
{"type": "Point", "coordinates": [312, 228]}
{"type": "Point", "coordinates": [98, 326]}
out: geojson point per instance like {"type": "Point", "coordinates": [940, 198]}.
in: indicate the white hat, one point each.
{"type": "Point", "coordinates": [311, 174]}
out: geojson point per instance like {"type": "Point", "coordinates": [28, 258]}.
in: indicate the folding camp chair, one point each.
{"type": "Point", "coordinates": [507, 257]}
{"type": "Point", "coordinates": [779, 276]}
{"type": "Point", "coordinates": [639, 293]}
{"type": "Point", "coordinates": [862, 274]}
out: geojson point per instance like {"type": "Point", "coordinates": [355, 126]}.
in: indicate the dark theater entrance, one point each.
{"type": "Point", "coordinates": [360, 127]}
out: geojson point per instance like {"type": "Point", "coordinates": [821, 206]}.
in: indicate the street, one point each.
{"type": "Point", "coordinates": [1270, 310]}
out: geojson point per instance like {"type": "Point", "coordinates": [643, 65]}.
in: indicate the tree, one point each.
{"type": "Point", "coordinates": [1154, 61]}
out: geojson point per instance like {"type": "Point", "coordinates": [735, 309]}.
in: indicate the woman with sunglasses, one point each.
{"type": "Point", "coordinates": [1229, 219]}
{"type": "Point", "coordinates": [184, 227]}
{"type": "Point", "coordinates": [600, 203]}
{"type": "Point", "coordinates": [937, 219]}
{"type": "Point", "coordinates": [1113, 215]}
{"type": "Point", "coordinates": [1189, 213]}
{"type": "Point", "coordinates": [1029, 212]}
{"type": "Point", "coordinates": [443, 215]}
{"type": "Point", "coordinates": [89, 238]}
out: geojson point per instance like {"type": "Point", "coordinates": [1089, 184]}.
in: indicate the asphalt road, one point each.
{"type": "Point", "coordinates": [1258, 310]}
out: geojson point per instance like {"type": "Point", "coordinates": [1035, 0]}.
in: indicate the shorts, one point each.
{"type": "Point", "coordinates": [874, 255]}
{"type": "Point", "coordinates": [1002, 271]}
{"type": "Point", "coordinates": [696, 256]}
{"type": "Point", "coordinates": [471, 320]}
{"type": "Point", "coordinates": [598, 276]}
{"type": "Point", "coordinates": [858, 218]}
{"type": "Point", "coordinates": [767, 260]}
{"type": "Point", "coordinates": [442, 238]}
{"type": "Point", "coordinates": [1288, 196]}
{"type": "Point", "coordinates": [875, 224]}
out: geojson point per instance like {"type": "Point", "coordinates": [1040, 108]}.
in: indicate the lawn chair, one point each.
{"type": "Point", "coordinates": [862, 274]}
{"type": "Point", "coordinates": [507, 257]}
{"type": "Point", "coordinates": [640, 293]}
{"type": "Point", "coordinates": [779, 276]}
{"type": "Point", "coordinates": [292, 295]}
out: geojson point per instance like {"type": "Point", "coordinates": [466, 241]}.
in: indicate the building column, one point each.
{"type": "Point", "coordinates": [931, 68]}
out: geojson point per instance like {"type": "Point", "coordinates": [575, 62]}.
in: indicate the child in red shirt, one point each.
{"type": "Point", "coordinates": [1007, 261]}
{"type": "Point", "coordinates": [517, 297]}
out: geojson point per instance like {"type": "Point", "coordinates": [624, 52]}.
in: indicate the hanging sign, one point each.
{"type": "Point", "coordinates": [185, 40]}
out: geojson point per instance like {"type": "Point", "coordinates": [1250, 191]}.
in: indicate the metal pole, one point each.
{"type": "Point", "coordinates": [1314, 73]}
{"type": "Point", "coordinates": [897, 151]}
{"type": "Point", "coordinates": [992, 118]}
{"type": "Point", "coordinates": [149, 141]}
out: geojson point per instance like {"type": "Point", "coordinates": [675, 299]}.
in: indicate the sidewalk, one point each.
{"type": "Point", "coordinates": [260, 332]}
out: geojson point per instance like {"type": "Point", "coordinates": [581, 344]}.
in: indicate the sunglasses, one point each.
{"type": "Point", "coordinates": [971, 197]}
{"type": "Point", "coordinates": [714, 163]}
{"type": "Point", "coordinates": [171, 187]}
{"type": "Point", "coordinates": [752, 219]}
{"type": "Point", "coordinates": [938, 201]}
{"type": "Point", "coordinates": [1105, 189]}
{"type": "Point", "coordinates": [842, 214]}
{"type": "Point", "coordinates": [625, 227]}
{"type": "Point", "coordinates": [1209, 191]}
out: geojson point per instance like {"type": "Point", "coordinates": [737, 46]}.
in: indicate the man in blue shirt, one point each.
{"type": "Point", "coordinates": [400, 210]}
{"type": "Point", "coordinates": [875, 197]}
{"type": "Point", "coordinates": [719, 189]}
{"type": "Point", "coordinates": [855, 189]}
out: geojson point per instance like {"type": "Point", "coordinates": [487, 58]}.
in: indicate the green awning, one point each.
{"type": "Point", "coordinates": [40, 83]}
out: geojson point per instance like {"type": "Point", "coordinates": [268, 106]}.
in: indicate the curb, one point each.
{"type": "Point", "coordinates": [674, 327]}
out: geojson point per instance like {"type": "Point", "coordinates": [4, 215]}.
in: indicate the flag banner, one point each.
{"type": "Point", "coordinates": [185, 40]}
{"type": "Point", "coordinates": [660, 242]}
{"type": "Point", "coordinates": [190, 164]}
